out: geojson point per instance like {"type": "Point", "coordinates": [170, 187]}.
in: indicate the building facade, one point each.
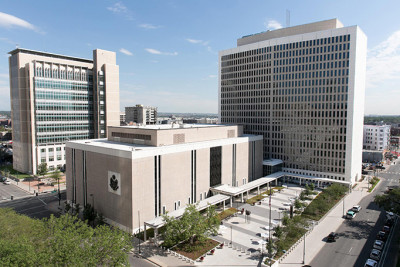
{"type": "Point", "coordinates": [158, 168]}
{"type": "Point", "coordinates": [376, 137]}
{"type": "Point", "coordinates": [140, 114]}
{"type": "Point", "coordinates": [55, 98]}
{"type": "Point", "coordinates": [302, 88]}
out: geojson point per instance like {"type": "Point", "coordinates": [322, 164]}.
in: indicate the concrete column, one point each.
{"type": "Point", "coordinates": [241, 197]}
{"type": "Point", "coordinates": [231, 201]}
{"type": "Point", "coordinates": [156, 236]}
{"type": "Point", "coordinates": [223, 203]}
{"type": "Point", "coordinates": [247, 194]}
{"type": "Point", "coordinates": [258, 190]}
{"type": "Point", "coordinates": [145, 236]}
{"type": "Point", "coordinates": [276, 182]}
{"type": "Point", "coordinates": [300, 181]}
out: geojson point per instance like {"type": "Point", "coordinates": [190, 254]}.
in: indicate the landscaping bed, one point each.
{"type": "Point", "coordinates": [9, 169]}
{"type": "Point", "coordinates": [195, 250]}
{"type": "Point", "coordinates": [259, 197]}
{"type": "Point", "coordinates": [226, 213]}
{"type": "Point", "coordinates": [374, 181]}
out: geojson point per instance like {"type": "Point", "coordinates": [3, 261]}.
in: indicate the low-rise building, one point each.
{"type": "Point", "coordinates": [140, 114]}
{"type": "Point", "coordinates": [376, 137]}
{"type": "Point", "coordinates": [158, 168]}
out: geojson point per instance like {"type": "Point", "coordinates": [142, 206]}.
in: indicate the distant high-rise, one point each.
{"type": "Point", "coordinates": [56, 98]}
{"type": "Point", "coordinates": [141, 114]}
{"type": "Point", "coordinates": [302, 88]}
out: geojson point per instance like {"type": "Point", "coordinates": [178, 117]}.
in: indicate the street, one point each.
{"type": "Point", "coordinates": [38, 207]}
{"type": "Point", "coordinates": [6, 191]}
{"type": "Point", "coordinates": [357, 236]}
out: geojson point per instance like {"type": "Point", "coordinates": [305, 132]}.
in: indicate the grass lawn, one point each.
{"type": "Point", "coordinates": [13, 172]}
{"type": "Point", "coordinates": [196, 250]}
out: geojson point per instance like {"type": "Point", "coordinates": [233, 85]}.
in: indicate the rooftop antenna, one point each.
{"type": "Point", "coordinates": [287, 18]}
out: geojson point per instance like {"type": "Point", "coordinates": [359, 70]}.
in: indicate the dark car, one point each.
{"type": "Point", "coordinates": [386, 229]}
{"type": "Point", "coordinates": [364, 172]}
{"type": "Point", "coordinates": [332, 237]}
{"type": "Point", "coordinates": [380, 167]}
{"type": "Point", "coordinates": [381, 235]}
{"type": "Point", "coordinates": [390, 222]}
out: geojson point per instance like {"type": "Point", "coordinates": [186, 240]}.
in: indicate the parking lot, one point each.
{"type": "Point", "coordinates": [249, 234]}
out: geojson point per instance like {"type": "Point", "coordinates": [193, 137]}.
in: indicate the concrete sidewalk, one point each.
{"type": "Point", "coordinates": [329, 224]}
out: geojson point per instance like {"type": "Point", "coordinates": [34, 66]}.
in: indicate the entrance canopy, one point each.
{"type": "Point", "coordinates": [234, 191]}
{"type": "Point", "coordinates": [201, 205]}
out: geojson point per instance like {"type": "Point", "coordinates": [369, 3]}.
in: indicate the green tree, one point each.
{"type": "Point", "coordinates": [298, 204]}
{"type": "Point", "coordinates": [278, 232]}
{"type": "Point", "coordinates": [63, 241]}
{"type": "Point", "coordinates": [191, 226]}
{"type": "Point", "coordinates": [389, 201]}
{"type": "Point", "coordinates": [42, 169]}
{"type": "Point", "coordinates": [285, 219]}
{"type": "Point", "coordinates": [312, 186]}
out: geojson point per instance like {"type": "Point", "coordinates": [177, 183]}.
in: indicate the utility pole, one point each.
{"type": "Point", "coordinates": [269, 228]}
{"type": "Point", "coordinates": [304, 250]}
{"type": "Point", "coordinates": [139, 230]}
{"type": "Point", "coordinates": [231, 235]}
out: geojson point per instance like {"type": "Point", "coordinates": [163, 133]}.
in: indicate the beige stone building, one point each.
{"type": "Point", "coordinates": [302, 88]}
{"type": "Point", "coordinates": [55, 98]}
{"type": "Point", "coordinates": [158, 168]}
{"type": "Point", "coordinates": [141, 114]}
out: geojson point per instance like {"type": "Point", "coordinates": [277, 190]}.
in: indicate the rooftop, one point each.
{"type": "Point", "coordinates": [294, 30]}
{"type": "Point", "coordinates": [171, 126]}
{"type": "Point", "coordinates": [46, 54]}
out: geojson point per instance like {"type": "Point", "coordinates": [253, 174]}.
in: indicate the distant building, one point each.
{"type": "Point", "coordinates": [55, 98]}
{"type": "Point", "coordinates": [140, 114]}
{"type": "Point", "coordinates": [395, 131]}
{"type": "Point", "coordinates": [376, 137]}
{"type": "Point", "coordinates": [158, 168]}
{"type": "Point", "coordinates": [122, 118]}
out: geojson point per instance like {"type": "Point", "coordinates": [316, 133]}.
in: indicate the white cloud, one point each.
{"type": "Point", "coordinates": [126, 52]}
{"type": "Point", "coordinates": [157, 52]}
{"type": "Point", "coordinates": [193, 41]}
{"type": "Point", "coordinates": [383, 61]}
{"type": "Point", "coordinates": [272, 24]}
{"type": "Point", "coordinates": [212, 76]}
{"type": "Point", "coordinates": [118, 7]}
{"type": "Point", "coordinates": [9, 21]}
{"type": "Point", "coordinates": [149, 26]}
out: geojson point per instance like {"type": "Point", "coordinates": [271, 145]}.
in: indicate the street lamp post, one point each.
{"type": "Point", "coordinates": [231, 236]}
{"type": "Point", "coordinates": [304, 250]}
{"type": "Point", "coordinates": [269, 228]}
{"type": "Point", "coordinates": [139, 230]}
{"type": "Point", "coordinates": [59, 194]}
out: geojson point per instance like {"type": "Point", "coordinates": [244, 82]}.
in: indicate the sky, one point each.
{"type": "Point", "coordinates": [167, 51]}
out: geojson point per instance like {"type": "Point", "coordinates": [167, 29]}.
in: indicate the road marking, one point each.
{"type": "Point", "coordinates": [350, 250]}
{"type": "Point", "coordinates": [42, 201]}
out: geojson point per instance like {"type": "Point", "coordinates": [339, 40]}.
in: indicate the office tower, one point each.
{"type": "Point", "coordinates": [158, 168]}
{"type": "Point", "coordinates": [302, 88]}
{"type": "Point", "coordinates": [56, 98]}
{"type": "Point", "coordinates": [376, 137]}
{"type": "Point", "coordinates": [141, 114]}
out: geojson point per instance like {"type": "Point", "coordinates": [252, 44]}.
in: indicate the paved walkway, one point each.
{"type": "Point", "coordinates": [329, 224]}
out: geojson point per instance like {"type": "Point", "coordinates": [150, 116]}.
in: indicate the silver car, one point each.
{"type": "Point", "coordinates": [379, 244]}
{"type": "Point", "coordinates": [375, 254]}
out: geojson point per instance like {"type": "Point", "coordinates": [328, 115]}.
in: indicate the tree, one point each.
{"type": "Point", "coordinates": [312, 186]}
{"type": "Point", "coordinates": [389, 201]}
{"type": "Point", "coordinates": [89, 214]}
{"type": "Point", "coordinates": [297, 204]}
{"type": "Point", "coordinates": [42, 169]}
{"type": "Point", "coordinates": [285, 219]}
{"type": "Point", "coordinates": [191, 226]}
{"type": "Point", "coordinates": [63, 241]}
{"type": "Point", "coordinates": [278, 232]}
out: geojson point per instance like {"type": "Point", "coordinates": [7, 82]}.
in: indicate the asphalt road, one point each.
{"type": "Point", "coordinates": [357, 236]}
{"type": "Point", "coordinates": [35, 207]}
{"type": "Point", "coordinates": [6, 191]}
{"type": "Point", "coordinates": [137, 261]}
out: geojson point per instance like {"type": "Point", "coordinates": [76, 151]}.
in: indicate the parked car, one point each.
{"type": "Point", "coordinates": [380, 167]}
{"type": "Point", "coordinates": [332, 237]}
{"type": "Point", "coordinates": [375, 254]}
{"type": "Point", "coordinates": [381, 235]}
{"type": "Point", "coordinates": [386, 229]}
{"type": "Point", "coordinates": [350, 214]}
{"type": "Point", "coordinates": [356, 208]}
{"type": "Point", "coordinates": [390, 221]}
{"type": "Point", "coordinates": [6, 182]}
{"type": "Point", "coordinates": [364, 172]}
{"type": "Point", "coordinates": [379, 244]}
{"type": "Point", "coordinates": [371, 263]}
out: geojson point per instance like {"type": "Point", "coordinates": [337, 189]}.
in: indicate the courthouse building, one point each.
{"type": "Point", "coordinates": [158, 168]}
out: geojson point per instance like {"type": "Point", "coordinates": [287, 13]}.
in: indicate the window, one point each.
{"type": "Point", "coordinates": [43, 160]}
{"type": "Point", "coordinates": [51, 158]}
{"type": "Point", "coordinates": [59, 157]}
{"type": "Point", "coordinates": [43, 150]}
{"type": "Point", "coordinates": [58, 148]}
{"type": "Point", "coordinates": [51, 149]}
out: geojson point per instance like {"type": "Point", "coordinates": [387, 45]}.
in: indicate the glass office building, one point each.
{"type": "Point", "coordinates": [56, 98]}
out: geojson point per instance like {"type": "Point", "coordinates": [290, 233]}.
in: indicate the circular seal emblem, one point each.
{"type": "Point", "coordinates": [114, 183]}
